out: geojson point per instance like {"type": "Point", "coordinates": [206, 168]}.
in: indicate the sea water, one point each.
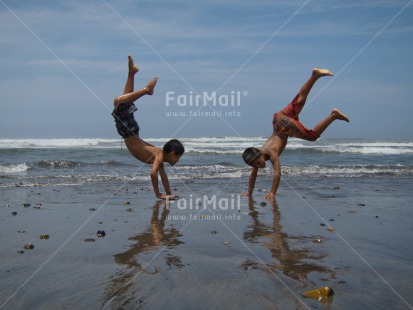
{"type": "Point", "coordinates": [54, 162]}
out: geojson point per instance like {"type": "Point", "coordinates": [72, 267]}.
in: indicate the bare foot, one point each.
{"type": "Point", "coordinates": [321, 72]}
{"type": "Point", "coordinates": [132, 67]}
{"type": "Point", "coordinates": [151, 86]}
{"type": "Point", "coordinates": [338, 115]}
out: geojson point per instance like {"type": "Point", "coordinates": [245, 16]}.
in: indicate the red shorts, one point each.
{"type": "Point", "coordinates": [286, 122]}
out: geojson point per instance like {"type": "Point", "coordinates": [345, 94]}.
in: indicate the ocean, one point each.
{"type": "Point", "coordinates": [52, 162]}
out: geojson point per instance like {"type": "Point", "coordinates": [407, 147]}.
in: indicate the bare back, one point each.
{"type": "Point", "coordinates": [142, 150]}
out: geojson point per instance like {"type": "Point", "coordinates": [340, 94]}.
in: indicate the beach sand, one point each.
{"type": "Point", "coordinates": [236, 254]}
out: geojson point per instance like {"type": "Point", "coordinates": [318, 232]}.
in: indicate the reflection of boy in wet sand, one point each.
{"type": "Point", "coordinates": [291, 261]}
{"type": "Point", "coordinates": [128, 128]}
{"type": "Point", "coordinates": [286, 124]}
{"type": "Point", "coordinates": [123, 283]}
{"type": "Point", "coordinates": [153, 237]}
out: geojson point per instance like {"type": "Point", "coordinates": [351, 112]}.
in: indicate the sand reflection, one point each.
{"type": "Point", "coordinates": [292, 262]}
{"type": "Point", "coordinates": [150, 242]}
{"type": "Point", "coordinates": [151, 239]}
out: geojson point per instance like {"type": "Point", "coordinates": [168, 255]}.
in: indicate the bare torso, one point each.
{"type": "Point", "coordinates": [141, 150]}
{"type": "Point", "coordinates": [274, 146]}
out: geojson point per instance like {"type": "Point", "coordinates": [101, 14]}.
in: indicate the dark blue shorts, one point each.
{"type": "Point", "coordinates": [125, 122]}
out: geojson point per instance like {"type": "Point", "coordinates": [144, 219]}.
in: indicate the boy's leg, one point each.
{"type": "Point", "coordinates": [133, 96]}
{"type": "Point", "coordinates": [306, 88]}
{"type": "Point", "coordinates": [335, 114]}
{"type": "Point", "coordinates": [287, 120]}
{"type": "Point", "coordinates": [133, 69]}
{"type": "Point", "coordinates": [129, 96]}
{"type": "Point", "coordinates": [293, 128]}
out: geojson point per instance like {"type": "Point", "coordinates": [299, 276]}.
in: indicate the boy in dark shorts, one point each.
{"type": "Point", "coordinates": [286, 124]}
{"type": "Point", "coordinates": [129, 130]}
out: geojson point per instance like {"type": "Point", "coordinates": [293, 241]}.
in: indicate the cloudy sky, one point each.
{"type": "Point", "coordinates": [63, 62]}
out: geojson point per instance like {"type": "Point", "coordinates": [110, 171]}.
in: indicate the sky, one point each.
{"type": "Point", "coordinates": [224, 67]}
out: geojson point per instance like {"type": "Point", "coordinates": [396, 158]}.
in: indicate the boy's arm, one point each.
{"type": "Point", "coordinates": [154, 177]}
{"type": "Point", "coordinates": [277, 175]}
{"type": "Point", "coordinates": [164, 179]}
{"type": "Point", "coordinates": [251, 181]}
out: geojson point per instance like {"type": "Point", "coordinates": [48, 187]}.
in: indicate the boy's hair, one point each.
{"type": "Point", "coordinates": [174, 146]}
{"type": "Point", "coordinates": [250, 154]}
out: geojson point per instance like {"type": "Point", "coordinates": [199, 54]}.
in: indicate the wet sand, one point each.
{"type": "Point", "coordinates": [250, 254]}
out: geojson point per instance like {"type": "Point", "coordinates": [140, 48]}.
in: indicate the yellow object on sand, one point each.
{"type": "Point", "coordinates": [320, 293]}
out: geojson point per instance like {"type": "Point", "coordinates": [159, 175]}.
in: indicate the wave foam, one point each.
{"type": "Point", "coordinates": [18, 168]}
{"type": "Point", "coordinates": [57, 143]}
{"type": "Point", "coordinates": [227, 145]}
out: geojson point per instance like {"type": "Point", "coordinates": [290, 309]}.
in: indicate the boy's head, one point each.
{"type": "Point", "coordinates": [253, 157]}
{"type": "Point", "coordinates": [173, 149]}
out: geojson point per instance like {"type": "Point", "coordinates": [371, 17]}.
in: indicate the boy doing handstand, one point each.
{"type": "Point", "coordinates": [128, 128]}
{"type": "Point", "coordinates": [286, 124]}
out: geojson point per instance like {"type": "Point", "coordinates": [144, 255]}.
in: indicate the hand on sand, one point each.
{"type": "Point", "coordinates": [269, 196]}
{"type": "Point", "coordinates": [167, 197]}
{"type": "Point", "coordinates": [171, 197]}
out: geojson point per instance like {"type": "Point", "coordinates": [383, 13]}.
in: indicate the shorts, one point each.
{"type": "Point", "coordinates": [286, 122]}
{"type": "Point", "coordinates": [125, 122]}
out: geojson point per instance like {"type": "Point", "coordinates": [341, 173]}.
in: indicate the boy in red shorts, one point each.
{"type": "Point", "coordinates": [286, 124]}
